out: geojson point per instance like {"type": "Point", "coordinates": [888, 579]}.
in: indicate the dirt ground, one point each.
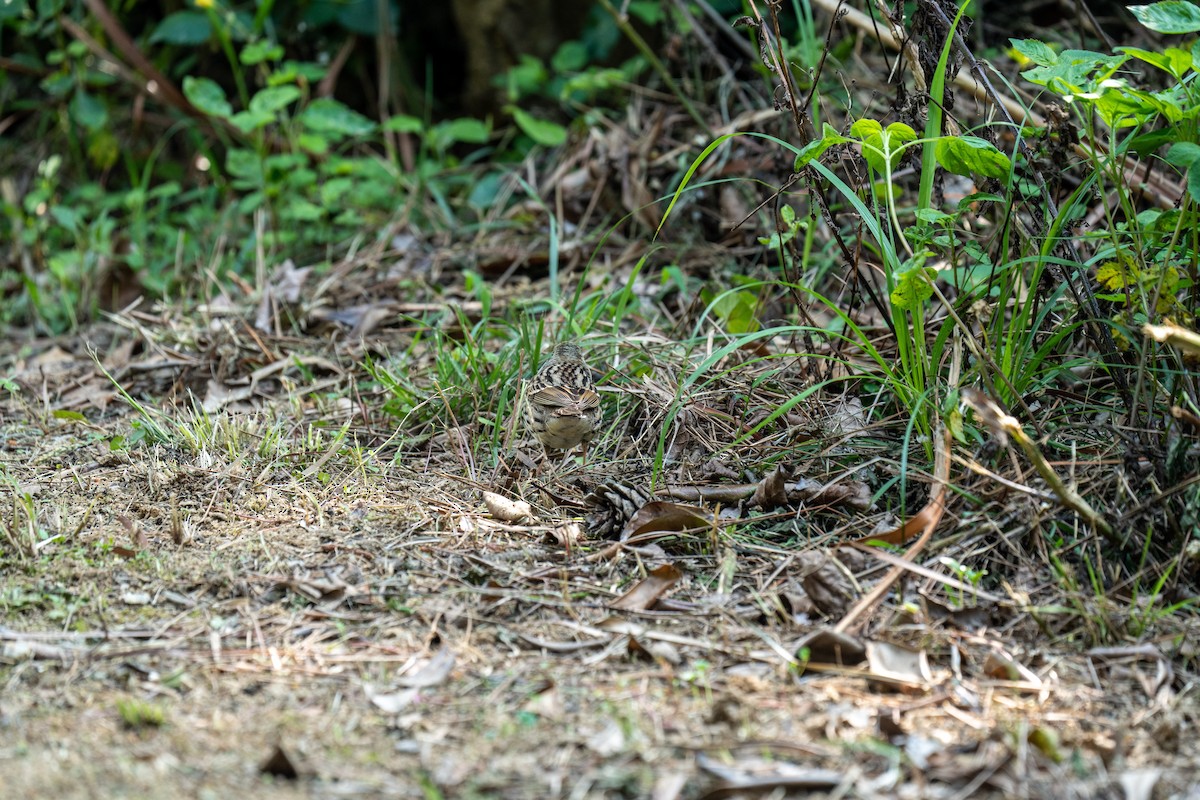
{"type": "Point", "coordinates": [322, 620]}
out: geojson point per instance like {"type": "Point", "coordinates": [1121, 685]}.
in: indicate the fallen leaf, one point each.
{"type": "Point", "coordinates": [663, 516]}
{"type": "Point", "coordinates": [647, 591]}
{"type": "Point", "coordinates": [771, 492]}
{"type": "Point", "coordinates": [895, 666]}
{"type": "Point", "coordinates": [828, 646]}
{"type": "Point", "coordinates": [432, 672]}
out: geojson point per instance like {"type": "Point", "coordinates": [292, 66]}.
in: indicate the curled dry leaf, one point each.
{"type": "Point", "coordinates": [663, 516]}
{"type": "Point", "coordinates": [647, 591]}
{"type": "Point", "coordinates": [893, 666]}
{"type": "Point", "coordinates": [826, 585]}
{"type": "Point", "coordinates": [827, 646]}
{"type": "Point", "coordinates": [771, 491]}
{"type": "Point", "coordinates": [502, 508]}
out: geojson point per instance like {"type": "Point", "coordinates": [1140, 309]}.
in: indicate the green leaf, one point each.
{"type": "Point", "coordinates": [570, 57]}
{"type": "Point", "coordinates": [1174, 61]}
{"type": "Point", "coordinates": [884, 143]}
{"type": "Point", "coordinates": [260, 51]}
{"type": "Point", "coordinates": [247, 121]}
{"type": "Point", "coordinates": [244, 164]}
{"type": "Point", "coordinates": [817, 147]}
{"type": "Point", "coordinates": [913, 287]}
{"type": "Point", "coordinates": [207, 95]}
{"type": "Point", "coordinates": [1171, 16]}
{"type": "Point", "coordinates": [301, 210]}
{"type": "Point", "coordinates": [183, 27]}
{"type": "Point", "coordinates": [313, 143]}
{"type": "Point", "coordinates": [326, 115]}
{"type": "Point", "coordinates": [88, 111]}
{"type": "Point", "coordinates": [403, 123]}
{"type": "Point", "coordinates": [463, 129]}
{"type": "Point", "coordinates": [62, 413]}
{"type": "Point", "coordinates": [1074, 72]}
{"type": "Point", "coordinates": [11, 9]}
{"type": "Point", "coordinates": [542, 131]}
{"type": "Point", "coordinates": [103, 149]}
{"type": "Point", "coordinates": [273, 99]}
{"type": "Point", "coordinates": [1183, 154]}
{"type": "Point", "coordinates": [1036, 51]}
{"type": "Point", "coordinates": [967, 155]}
{"type": "Point", "coordinates": [863, 128]}
{"type": "Point", "coordinates": [736, 310]}
{"type": "Point", "coordinates": [1193, 181]}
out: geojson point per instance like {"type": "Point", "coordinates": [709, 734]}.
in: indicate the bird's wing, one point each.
{"type": "Point", "coordinates": [559, 397]}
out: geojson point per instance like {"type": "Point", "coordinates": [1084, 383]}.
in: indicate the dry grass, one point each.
{"type": "Point", "coordinates": [290, 571]}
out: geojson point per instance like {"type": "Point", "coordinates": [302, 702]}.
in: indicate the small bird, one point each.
{"type": "Point", "coordinates": [561, 407]}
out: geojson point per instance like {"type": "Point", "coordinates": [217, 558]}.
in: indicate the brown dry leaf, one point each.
{"type": "Point", "coordinates": [900, 535]}
{"type": "Point", "coordinates": [893, 666]}
{"type": "Point", "coordinates": [663, 516]}
{"type": "Point", "coordinates": [505, 509]}
{"type": "Point", "coordinates": [1002, 666]}
{"type": "Point", "coordinates": [827, 587]}
{"type": "Point", "coordinates": [285, 286]}
{"type": "Point", "coordinates": [828, 646]}
{"type": "Point", "coordinates": [547, 704]}
{"type": "Point", "coordinates": [647, 591]}
{"type": "Point", "coordinates": [432, 672]}
{"type": "Point", "coordinates": [218, 395]}
{"type": "Point", "coordinates": [771, 491]}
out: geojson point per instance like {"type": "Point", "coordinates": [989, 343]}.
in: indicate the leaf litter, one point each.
{"type": "Point", "coordinates": [303, 579]}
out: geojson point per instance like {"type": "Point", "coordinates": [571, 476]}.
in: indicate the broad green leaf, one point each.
{"type": "Point", "coordinates": [11, 9]}
{"type": "Point", "coordinates": [967, 155]}
{"type": "Point", "coordinates": [900, 134]}
{"type": "Point", "coordinates": [863, 128]}
{"type": "Point", "coordinates": [260, 51]}
{"type": "Point", "coordinates": [88, 111]}
{"type": "Point", "coordinates": [913, 287]}
{"type": "Point", "coordinates": [1121, 106]}
{"type": "Point", "coordinates": [542, 131]}
{"type": "Point", "coordinates": [326, 115]}
{"type": "Point", "coordinates": [244, 164]}
{"type": "Point", "coordinates": [571, 56]}
{"type": "Point", "coordinates": [1174, 61]}
{"type": "Point", "coordinates": [817, 147]}
{"type": "Point", "coordinates": [1036, 51]}
{"type": "Point", "coordinates": [887, 143]}
{"type": "Point", "coordinates": [403, 123]}
{"type": "Point", "coordinates": [73, 416]}
{"type": "Point", "coordinates": [933, 215]}
{"type": "Point", "coordinates": [313, 143]}
{"type": "Point", "coordinates": [302, 210]}
{"type": "Point", "coordinates": [1183, 154]}
{"type": "Point", "coordinates": [463, 129]}
{"type": "Point", "coordinates": [183, 27]}
{"type": "Point", "coordinates": [1171, 16]}
{"type": "Point", "coordinates": [273, 99]}
{"type": "Point", "coordinates": [249, 121]}
{"type": "Point", "coordinates": [1075, 72]}
{"type": "Point", "coordinates": [1193, 181]}
{"type": "Point", "coordinates": [207, 95]}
